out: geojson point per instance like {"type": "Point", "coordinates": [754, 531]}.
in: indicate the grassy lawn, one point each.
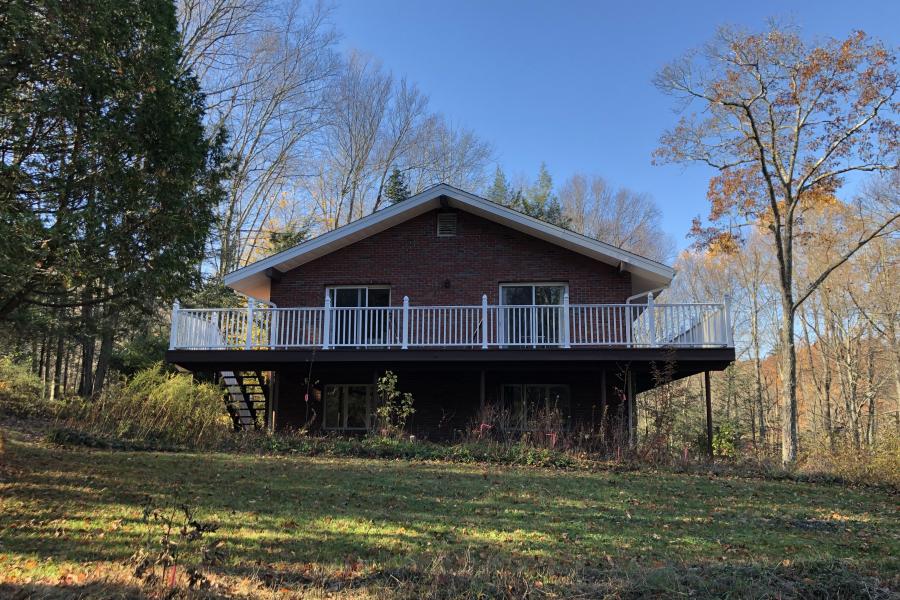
{"type": "Point", "coordinates": [70, 519]}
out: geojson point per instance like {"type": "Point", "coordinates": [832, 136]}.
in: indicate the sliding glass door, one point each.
{"type": "Point", "coordinates": [531, 314]}
{"type": "Point", "coordinates": [351, 326]}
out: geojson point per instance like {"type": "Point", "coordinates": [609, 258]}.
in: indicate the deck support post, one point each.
{"type": "Point", "coordinates": [484, 322]}
{"type": "Point", "coordinates": [173, 333]}
{"type": "Point", "coordinates": [603, 402]}
{"type": "Point", "coordinates": [326, 324]}
{"type": "Point", "coordinates": [632, 408]}
{"type": "Point", "coordinates": [564, 338]}
{"type": "Point", "coordinates": [251, 304]}
{"type": "Point", "coordinates": [270, 402]}
{"type": "Point", "coordinates": [709, 424]}
{"type": "Point", "coordinates": [405, 341]}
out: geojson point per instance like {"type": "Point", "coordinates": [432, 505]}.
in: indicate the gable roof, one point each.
{"type": "Point", "coordinates": [253, 280]}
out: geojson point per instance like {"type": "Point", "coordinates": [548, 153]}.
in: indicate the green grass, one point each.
{"type": "Point", "coordinates": [360, 527]}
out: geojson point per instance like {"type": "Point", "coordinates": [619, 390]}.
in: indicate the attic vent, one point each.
{"type": "Point", "coordinates": [446, 224]}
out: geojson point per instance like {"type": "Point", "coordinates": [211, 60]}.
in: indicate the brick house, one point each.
{"type": "Point", "coordinates": [473, 305]}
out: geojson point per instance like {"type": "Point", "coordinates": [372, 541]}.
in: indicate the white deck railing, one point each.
{"type": "Point", "coordinates": [651, 325]}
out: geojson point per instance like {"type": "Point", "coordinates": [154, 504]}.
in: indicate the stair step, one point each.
{"type": "Point", "coordinates": [248, 395]}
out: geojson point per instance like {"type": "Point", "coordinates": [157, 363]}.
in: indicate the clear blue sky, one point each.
{"type": "Point", "coordinates": [569, 83]}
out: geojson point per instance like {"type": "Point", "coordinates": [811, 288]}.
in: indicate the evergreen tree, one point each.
{"type": "Point", "coordinates": [499, 190]}
{"type": "Point", "coordinates": [542, 203]}
{"type": "Point", "coordinates": [396, 189]}
{"type": "Point", "coordinates": [293, 233]}
{"type": "Point", "coordinates": [107, 179]}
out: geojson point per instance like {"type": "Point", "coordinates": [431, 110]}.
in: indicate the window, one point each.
{"type": "Point", "coordinates": [349, 406]}
{"type": "Point", "coordinates": [531, 313]}
{"type": "Point", "coordinates": [446, 224]}
{"type": "Point", "coordinates": [532, 406]}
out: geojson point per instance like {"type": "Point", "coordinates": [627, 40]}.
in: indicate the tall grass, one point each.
{"type": "Point", "coordinates": [20, 391]}
{"type": "Point", "coordinates": [157, 408]}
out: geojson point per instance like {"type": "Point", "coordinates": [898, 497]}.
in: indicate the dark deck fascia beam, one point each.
{"type": "Point", "coordinates": [687, 359]}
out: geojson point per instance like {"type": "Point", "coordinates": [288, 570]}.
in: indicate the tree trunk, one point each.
{"type": "Point", "coordinates": [34, 355]}
{"type": "Point", "coordinates": [86, 385]}
{"type": "Point", "coordinates": [106, 346]}
{"type": "Point", "coordinates": [42, 364]}
{"type": "Point", "coordinates": [65, 377]}
{"type": "Point", "coordinates": [757, 368]}
{"type": "Point", "coordinates": [55, 392]}
{"type": "Point", "coordinates": [789, 434]}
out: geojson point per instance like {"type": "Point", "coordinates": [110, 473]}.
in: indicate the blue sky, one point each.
{"type": "Point", "coordinates": [569, 83]}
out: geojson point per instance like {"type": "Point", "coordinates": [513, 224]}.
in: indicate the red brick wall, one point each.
{"type": "Point", "coordinates": [455, 270]}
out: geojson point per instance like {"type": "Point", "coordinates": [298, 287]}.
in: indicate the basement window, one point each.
{"type": "Point", "coordinates": [446, 224]}
{"type": "Point", "coordinates": [349, 406]}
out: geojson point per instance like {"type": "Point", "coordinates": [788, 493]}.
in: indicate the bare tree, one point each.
{"type": "Point", "coordinates": [621, 217]}
{"type": "Point", "coordinates": [375, 124]}
{"type": "Point", "coordinates": [784, 123]}
{"type": "Point", "coordinates": [265, 68]}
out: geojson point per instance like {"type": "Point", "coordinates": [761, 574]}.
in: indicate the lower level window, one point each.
{"type": "Point", "coordinates": [531, 406]}
{"type": "Point", "coordinates": [349, 406]}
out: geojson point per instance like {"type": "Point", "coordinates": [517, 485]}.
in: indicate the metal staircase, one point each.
{"type": "Point", "coordinates": [247, 400]}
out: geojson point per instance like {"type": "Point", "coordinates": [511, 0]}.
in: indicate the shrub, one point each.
{"type": "Point", "coordinates": [156, 408]}
{"type": "Point", "coordinates": [20, 391]}
{"type": "Point", "coordinates": [726, 439]}
{"type": "Point", "coordinates": [879, 465]}
{"type": "Point", "coordinates": [395, 408]}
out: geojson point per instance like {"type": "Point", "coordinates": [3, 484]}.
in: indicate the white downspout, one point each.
{"type": "Point", "coordinates": [636, 296]}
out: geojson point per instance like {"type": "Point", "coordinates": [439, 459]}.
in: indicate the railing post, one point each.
{"type": "Point", "coordinates": [565, 321]}
{"type": "Point", "coordinates": [484, 322]}
{"type": "Point", "coordinates": [405, 344]}
{"type": "Point", "coordinates": [629, 318]}
{"type": "Point", "coordinates": [326, 324]}
{"type": "Point", "coordinates": [726, 317]}
{"type": "Point", "coordinates": [173, 331]}
{"type": "Point", "coordinates": [273, 327]}
{"type": "Point", "coordinates": [651, 319]}
{"type": "Point", "coordinates": [251, 304]}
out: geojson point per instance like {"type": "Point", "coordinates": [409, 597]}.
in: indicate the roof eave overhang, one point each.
{"type": "Point", "coordinates": [254, 279]}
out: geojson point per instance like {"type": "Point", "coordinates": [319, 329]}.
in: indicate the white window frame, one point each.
{"type": "Point", "coordinates": [524, 392]}
{"type": "Point", "coordinates": [370, 406]}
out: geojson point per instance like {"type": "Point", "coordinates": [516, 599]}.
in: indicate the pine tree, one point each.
{"type": "Point", "coordinates": [542, 203]}
{"type": "Point", "coordinates": [499, 190]}
{"type": "Point", "coordinates": [111, 199]}
{"type": "Point", "coordinates": [396, 189]}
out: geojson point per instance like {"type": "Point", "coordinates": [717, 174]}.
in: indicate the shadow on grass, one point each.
{"type": "Point", "coordinates": [91, 591]}
{"type": "Point", "coordinates": [279, 513]}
